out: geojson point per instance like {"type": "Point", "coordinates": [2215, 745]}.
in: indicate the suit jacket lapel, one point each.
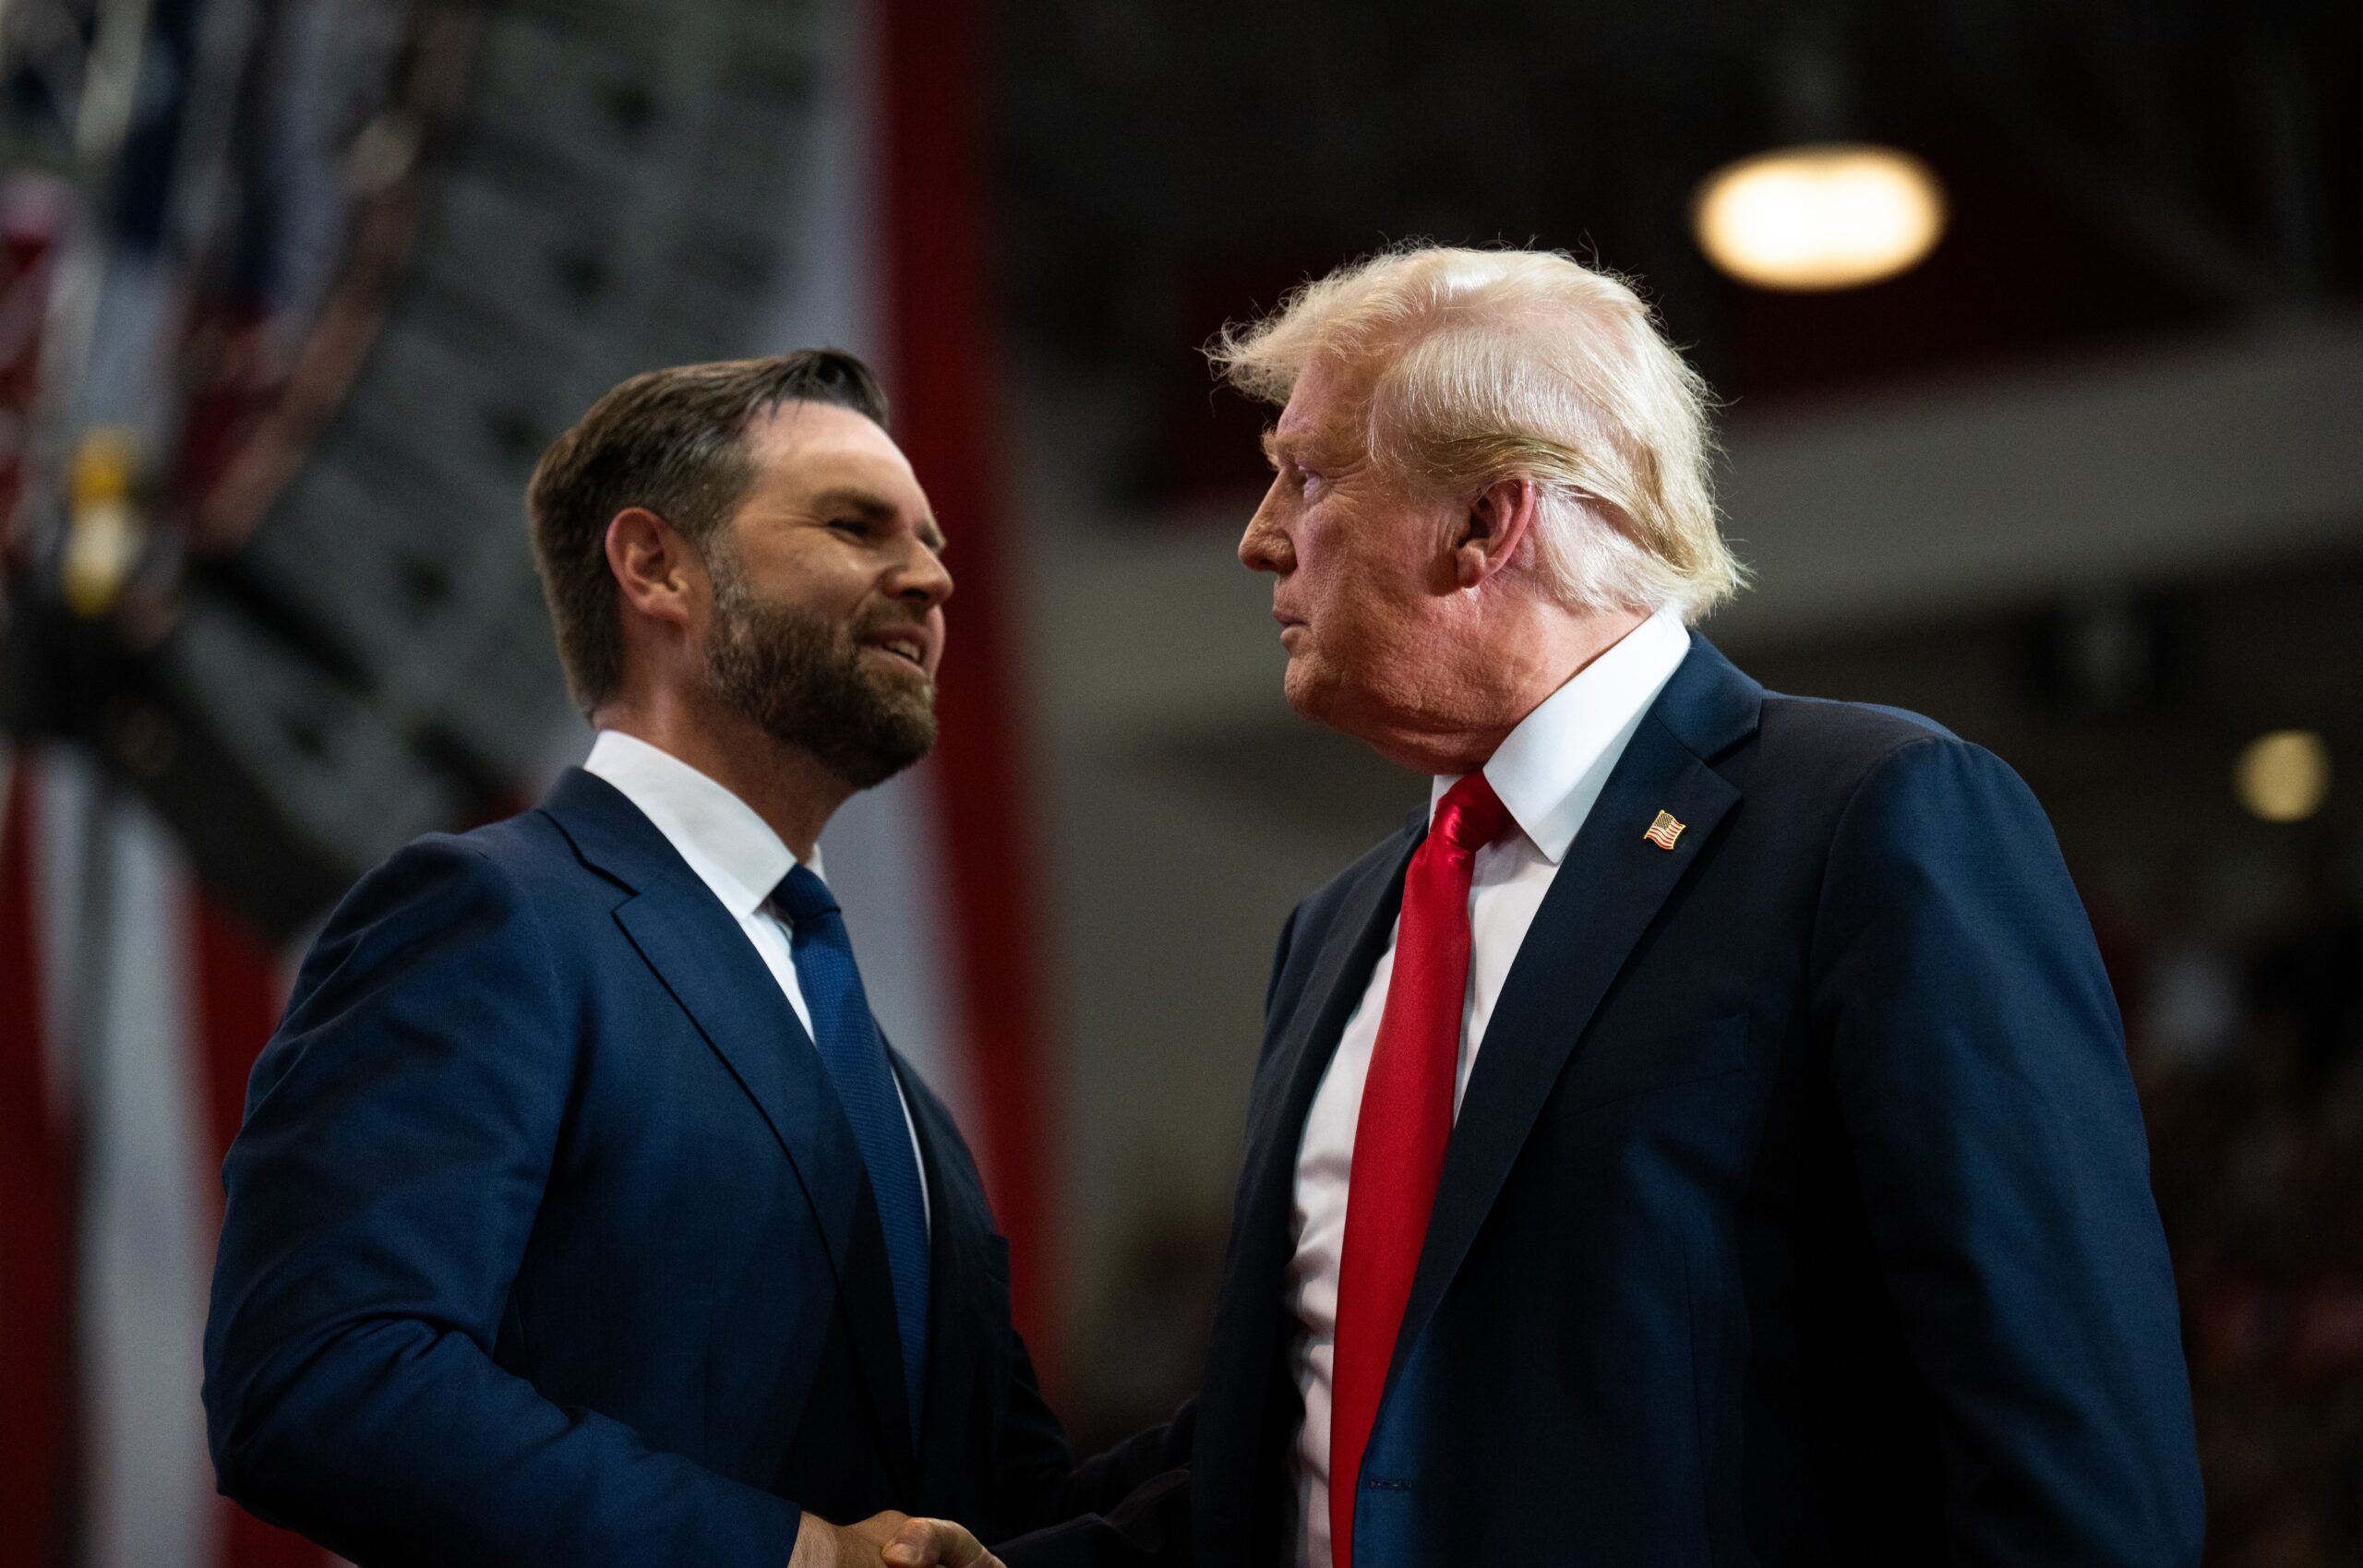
{"type": "Point", "coordinates": [697, 949]}
{"type": "Point", "coordinates": [1282, 1097]}
{"type": "Point", "coordinates": [1241, 1417]}
{"type": "Point", "coordinates": [1608, 890]}
{"type": "Point", "coordinates": [959, 1220]}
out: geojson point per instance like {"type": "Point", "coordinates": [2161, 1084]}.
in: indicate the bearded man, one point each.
{"type": "Point", "coordinates": [582, 1216]}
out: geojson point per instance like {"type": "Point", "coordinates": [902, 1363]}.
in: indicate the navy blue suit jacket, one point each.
{"type": "Point", "coordinates": [549, 1243]}
{"type": "Point", "coordinates": [1797, 1210]}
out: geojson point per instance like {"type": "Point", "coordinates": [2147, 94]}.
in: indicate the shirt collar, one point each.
{"type": "Point", "coordinates": [732, 850]}
{"type": "Point", "coordinates": [1552, 768]}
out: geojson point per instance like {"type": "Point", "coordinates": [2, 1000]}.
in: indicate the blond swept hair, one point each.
{"type": "Point", "coordinates": [1491, 365]}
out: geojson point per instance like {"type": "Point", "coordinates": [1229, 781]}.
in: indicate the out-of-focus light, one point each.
{"type": "Point", "coordinates": [2283, 777]}
{"type": "Point", "coordinates": [1834, 216]}
{"type": "Point", "coordinates": [104, 530]}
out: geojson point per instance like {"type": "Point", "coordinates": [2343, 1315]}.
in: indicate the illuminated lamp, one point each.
{"type": "Point", "coordinates": [2284, 776]}
{"type": "Point", "coordinates": [1835, 215]}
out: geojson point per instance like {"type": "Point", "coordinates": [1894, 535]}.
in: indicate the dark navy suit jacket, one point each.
{"type": "Point", "coordinates": [1797, 1210]}
{"type": "Point", "coordinates": [549, 1243]}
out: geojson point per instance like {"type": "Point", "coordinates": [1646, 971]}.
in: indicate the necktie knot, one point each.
{"type": "Point", "coordinates": [803, 896]}
{"type": "Point", "coordinates": [1471, 816]}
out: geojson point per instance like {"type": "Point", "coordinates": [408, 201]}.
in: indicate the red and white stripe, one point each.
{"type": "Point", "coordinates": [131, 1007]}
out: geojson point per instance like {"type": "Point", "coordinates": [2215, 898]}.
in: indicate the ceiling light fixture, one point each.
{"type": "Point", "coordinates": [1835, 215]}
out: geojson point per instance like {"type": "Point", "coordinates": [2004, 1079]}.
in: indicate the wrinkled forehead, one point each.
{"type": "Point", "coordinates": [1327, 413]}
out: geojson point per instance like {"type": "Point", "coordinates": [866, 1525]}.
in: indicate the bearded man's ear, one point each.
{"type": "Point", "coordinates": [656, 571]}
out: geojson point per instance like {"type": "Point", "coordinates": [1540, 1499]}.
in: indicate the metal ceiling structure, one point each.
{"type": "Point", "coordinates": [335, 285]}
{"type": "Point", "coordinates": [2120, 169]}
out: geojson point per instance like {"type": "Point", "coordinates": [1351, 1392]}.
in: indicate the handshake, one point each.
{"type": "Point", "coordinates": [1888, 1155]}
{"type": "Point", "coordinates": [897, 1540]}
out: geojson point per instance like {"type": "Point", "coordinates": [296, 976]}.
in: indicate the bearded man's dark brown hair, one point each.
{"type": "Point", "coordinates": [673, 441]}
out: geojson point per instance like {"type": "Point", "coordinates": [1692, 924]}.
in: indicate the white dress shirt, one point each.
{"type": "Point", "coordinates": [734, 852]}
{"type": "Point", "coordinates": [1548, 772]}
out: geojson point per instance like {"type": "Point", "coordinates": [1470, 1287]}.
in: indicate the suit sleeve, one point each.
{"type": "Point", "coordinates": [1128, 1506]}
{"type": "Point", "coordinates": [1132, 1502]}
{"type": "Point", "coordinates": [401, 1129]}
{"type": "Point", "coordinates": [1038, 1482]}
{"type": "Point", "coordinates": [1978, 1064]}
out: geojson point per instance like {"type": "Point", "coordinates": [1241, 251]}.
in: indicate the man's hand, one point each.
{"type": "Point", "coordinates": [896, 1540]}
{"type": "Point", "coordinates": [936, 1543]}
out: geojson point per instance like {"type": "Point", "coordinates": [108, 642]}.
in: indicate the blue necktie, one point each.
{"type": "Point", "coordinates": [856, 1057]}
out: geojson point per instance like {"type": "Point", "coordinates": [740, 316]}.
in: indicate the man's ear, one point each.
{"type": "Point", "coordinates": [1490, 534]}
{"type": "Point", "coordinates": [654, 569]}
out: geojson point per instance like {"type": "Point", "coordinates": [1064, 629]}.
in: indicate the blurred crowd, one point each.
{"type": "Point", "coordinates": [2248, 1046]}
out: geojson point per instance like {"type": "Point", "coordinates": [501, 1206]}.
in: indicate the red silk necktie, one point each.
{"type": "Point", "coordinates": [1400, 1134]}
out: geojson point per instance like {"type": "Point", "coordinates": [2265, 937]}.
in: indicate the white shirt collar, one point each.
{"type": "Point", "coordinates": [732, 850]}
{"type": "Point", "coordinates": [1553, 766]}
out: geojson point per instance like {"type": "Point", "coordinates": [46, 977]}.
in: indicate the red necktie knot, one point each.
{"type": "Point", "coordinates": [1471, 816]}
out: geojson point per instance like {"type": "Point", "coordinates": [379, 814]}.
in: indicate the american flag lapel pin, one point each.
{"type": "Point", "coordinates": [1665, 830]}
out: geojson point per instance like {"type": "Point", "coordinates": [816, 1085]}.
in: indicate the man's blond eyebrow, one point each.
{"type": "Point", "coordinates": [1278, 445]}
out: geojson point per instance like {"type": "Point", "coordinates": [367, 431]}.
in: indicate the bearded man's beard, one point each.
{"type": "Point", "coordinates": [802, 678]}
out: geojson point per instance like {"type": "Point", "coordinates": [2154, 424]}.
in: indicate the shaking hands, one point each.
{"type": "Point", "coordinates": [935, 1543]}
{"type": "Point", "coordinates": [897, 1540]}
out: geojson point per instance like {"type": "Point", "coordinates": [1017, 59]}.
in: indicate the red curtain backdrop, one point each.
{"type": "Point", "coordinates": [35, 1203]}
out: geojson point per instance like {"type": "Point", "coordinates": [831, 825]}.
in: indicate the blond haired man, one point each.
{"type": "Point", "coordinates": [1701, 1133]}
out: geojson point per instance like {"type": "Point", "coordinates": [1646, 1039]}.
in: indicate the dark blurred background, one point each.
{"type": "Point", "coordinates": [292, 295]}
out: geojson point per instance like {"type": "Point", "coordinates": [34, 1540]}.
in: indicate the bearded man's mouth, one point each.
{"type": "Point", "coordinates": [908, 644]}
